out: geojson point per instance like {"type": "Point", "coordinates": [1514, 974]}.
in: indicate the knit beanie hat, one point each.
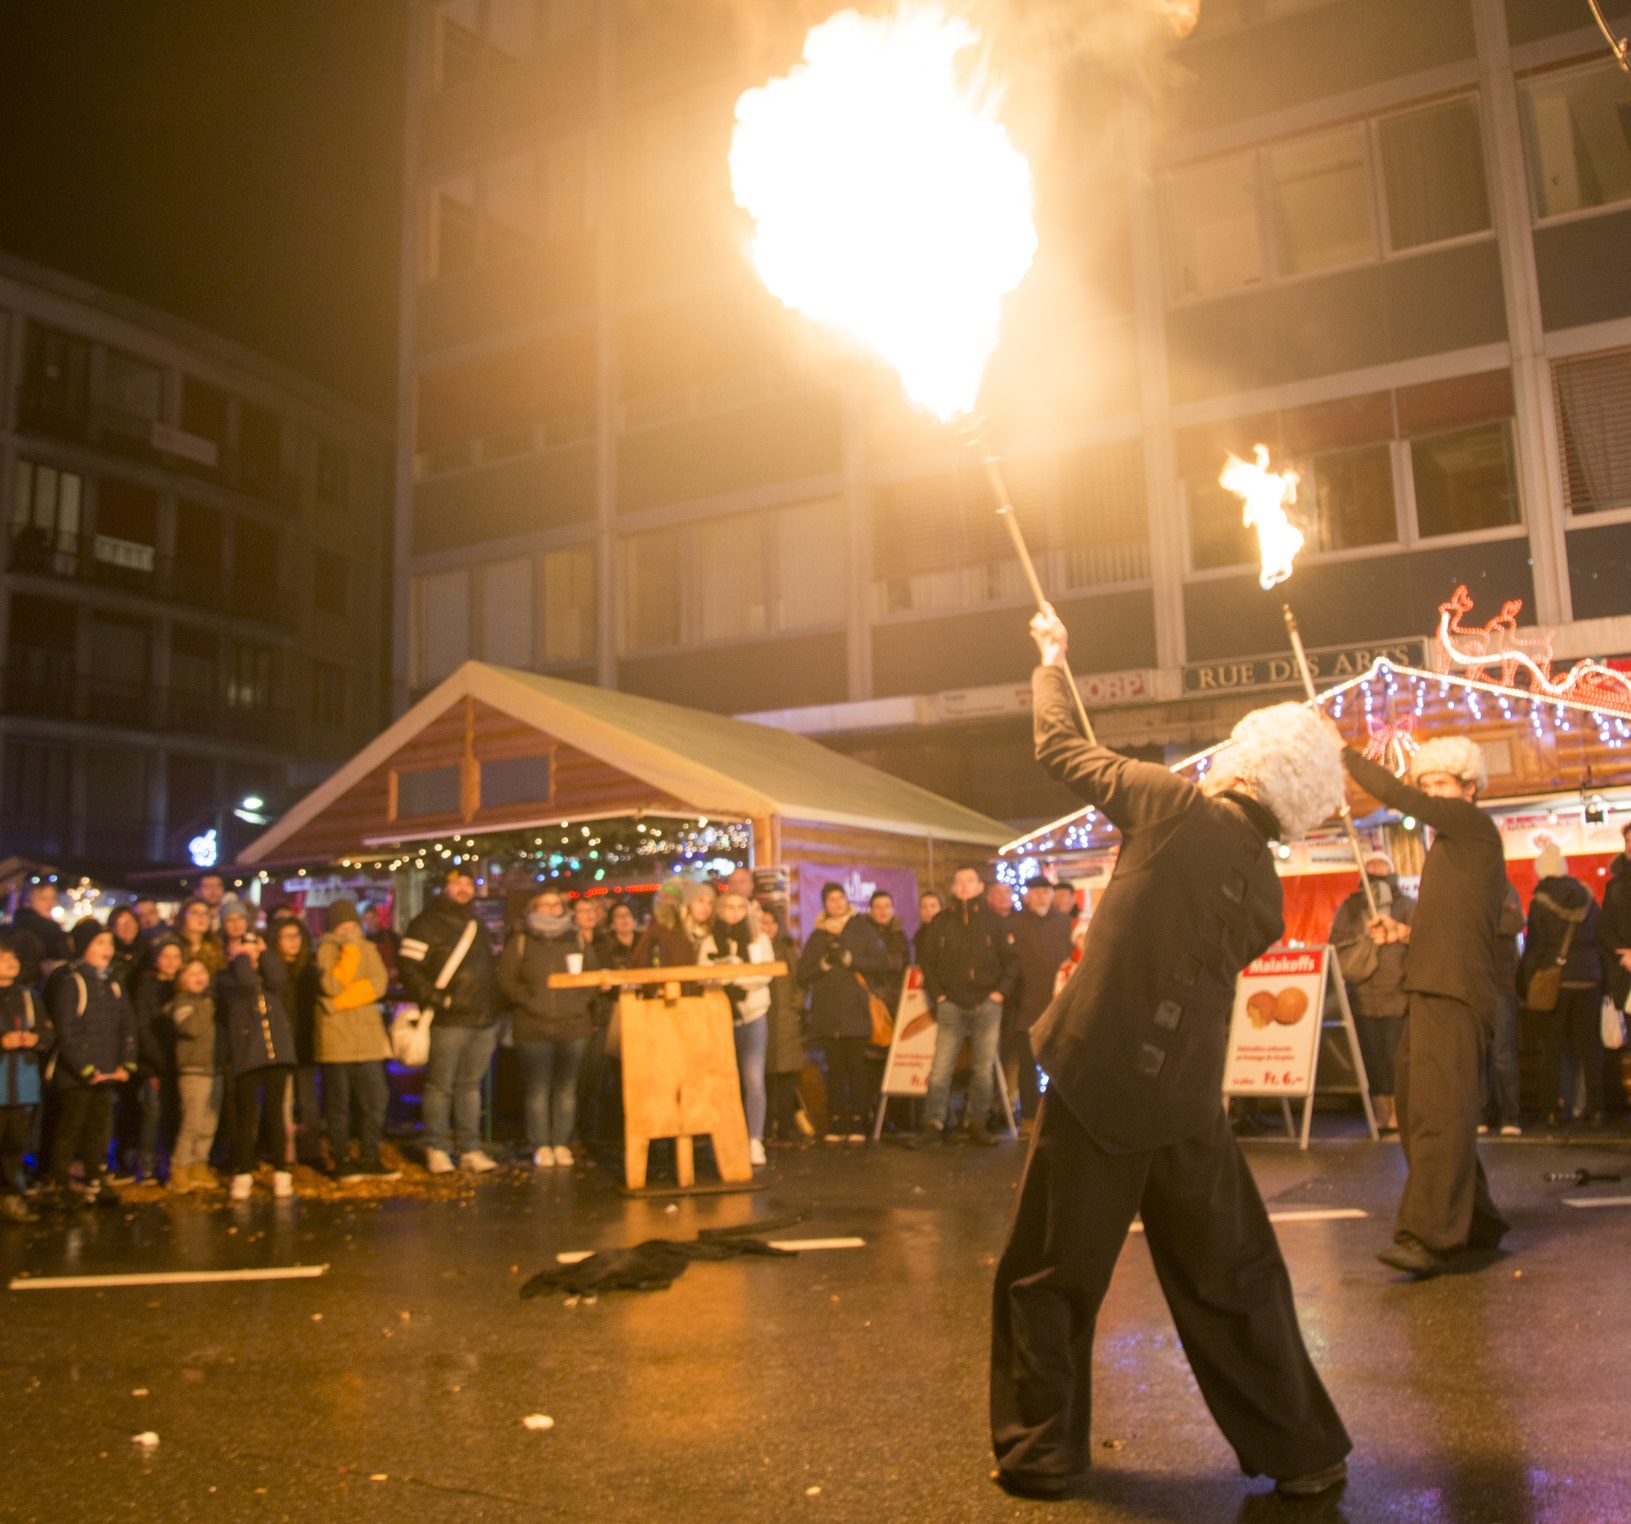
{"type": "Point", "coordinates": [84, 933]}
{"type": "Point", "coordinates": [1551, 863]}
{"type": "Point", "coordinates": [231, 905]}
{"type": "Point", "coordinates": [338, 913]}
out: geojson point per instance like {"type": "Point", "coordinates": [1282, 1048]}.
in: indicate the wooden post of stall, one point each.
{"type": "Point", "coordinates": [679, 1065]}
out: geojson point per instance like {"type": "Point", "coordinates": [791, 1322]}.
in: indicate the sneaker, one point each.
{"type": "Point", "coordinates": [241, 1186]}
{"type": "Point", "coordinates": [1483, 1129]}
{"type": "Point", "coordinates": [203, 1178]}
{"type": "Point", "coordinates": [543, 1158]}
{"type": "Point", "coordinates": [563, 1157]}
{"type": "Point", "coordinates": [1411, 1255]}
{"type": "Point", "coordinates": [756, 1152]}
{"type": "Point", "coordinates": [1512, 1130]}
{"type": "Point", "coordinates": [370, 1169]}
{"type": "Point", "coordinates": [282, 1184]}
{"type": "Point", "coordinates": [832, 1137]}
{"type": "Point", "coordinates": [856, 1137]}
{"type": "Point", "coordinates": [181, 1181]}
{"type": "Point", "coordinates": [1312, 1483]}
{"type": "Point", "coordinates": [438, 1161]}
{"type": "Point", "coordinates": [930, 1137]}
{"type": "Point", "coordinates": [476, 1161]}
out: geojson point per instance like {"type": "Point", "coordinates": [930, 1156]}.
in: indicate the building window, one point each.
{"type": "Point", "coordinates": [1319, 197]}
{"type": "Point", "coordinates": [41, 637]}
{"type": "Point", "coordinates": [442, 640]}
{"type": "Point", "coordinates": [1218, 536]}
{"type": "Point", "coordinates": [1104, 530]}
{"type": "Point", "coordinates": [506, 613]}
{"type": "Point", "coordinates": [568, 617]}
{"type": "Point", "coordinates": [135, 396]}
{"type": "Point", "coordinates": [516, 780]}
{"type": "Point", "coordinates": [649, 591]}
{"type": "Point", "coordinates": [254, 570]}
{"type": "Point", "coordinates": [127, 529]}
{"type": "Point", "coordinates": [1433, 170]}
{"type": "Point", "coordinates": [199, 561]}
{"type": "Point", "coordinates": [121, 670]}
{"type": "Point", "coordinates": [429, 791]}
{"type": "Point", "coordinates": [195, 677]}
{"type": "Point", "coordinates": [56, 391]}
{"type": "Point", "coordinates": [469, 36]}
{"type": "Point", "coordinates": [260, 449]}
{"type": "Point", "coordinates": [249, 679]}
{"type": "Point", "coordinates": [331, 474]}
{"type": "Point", "coordinates": [331, 576]}
{"type": "Point", "coordinates": [1465, 481]}
{"type": "Point", "coordinates": [35, 818]}
{"type": "Point", "coordinates": [1594, 424]}
{"type": "Point", "coordinates": [327, 695]}
{"type": "Point", "coordinates": [812, 565]}
{"type": "Point", "coordinates": [204, 411]}
{"type": "Point", "coordinates": [45, 519]}
{"type": "Point", "coordinates": [1212, 226]}
{"type": "Point", "coordinates": [728, 573]}
{"type": "Point", "coordinates": [1579, 128]}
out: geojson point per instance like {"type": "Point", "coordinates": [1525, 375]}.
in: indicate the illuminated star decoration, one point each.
{"type": "Point", "coordinates": [1392, 743]}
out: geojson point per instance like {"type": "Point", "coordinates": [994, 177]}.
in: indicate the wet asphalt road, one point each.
{"type": "Point", "coordinates": [394, 1387]}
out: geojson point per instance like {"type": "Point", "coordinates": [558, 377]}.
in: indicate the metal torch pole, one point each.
{"type": "Point", "coordinates": [1005, 512]}
{"type": "Point", "coordinates": [1347, 814]}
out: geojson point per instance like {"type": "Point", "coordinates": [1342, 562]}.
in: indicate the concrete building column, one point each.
{"type": "Point", "coordinates": [1163, 502]}
{"type": "Point", "coordinates": [1540, 476]}
{"type": "Point", "coordinates": [858, 516]}
{"type": "Point", "coordinates": [606, 612]}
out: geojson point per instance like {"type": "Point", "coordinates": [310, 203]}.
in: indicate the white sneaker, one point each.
{"type": "Point", "coordinates": [563, 1156]}
{"type": "Point", "coordinates": [476, 1162]}
{"type": "Point", "coordinates": [438, 1161]}
{"type": "Point", "coordinates": [857, 1137]}
{"type": "Point", "coordinates": [1512, 1130]}
{"type": "Point", "coordinates": [543, 1158]}
{"type": "Point", "coordinates": [282, 1184]}
{"type": "Point", "coordinates": [756, 1151]}
{"type": "Point", "coordinates": [1483, 1129]}
{"type": "Point", "coordinates": [832, 1137]}
{"type": "Point", "coordinates": [241, 1186]}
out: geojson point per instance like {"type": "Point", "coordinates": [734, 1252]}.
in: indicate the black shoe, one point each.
{"type": "Point", "coordinates": [1038, 1489]}
{"type": "Point", "coordinates": [1312, 1483]}
{"type": "Point", "coordinates": [1488, 1232]}
{"type": "Point", "coordinates": [931, 1136]}
{"type": "Point", "coordinates": [369, 1169]}
{"type": "Point", "coordinates": [1411, 1255]}
{"type": "Point", "coordinates": [981, 1134]}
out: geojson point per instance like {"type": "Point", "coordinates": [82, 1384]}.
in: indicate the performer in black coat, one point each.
{"type": "Point", "coordinates": [1450, 977]}
{"type": "Point", "coordinates": [1133, 1121]}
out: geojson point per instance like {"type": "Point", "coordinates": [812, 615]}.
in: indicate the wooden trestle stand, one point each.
{"type": "Point", "coordinates": [679, 1065]}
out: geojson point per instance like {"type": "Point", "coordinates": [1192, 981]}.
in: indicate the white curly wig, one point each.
{"type": "Point", "coordinates": [1459, 756]}
{"type": "Point", "coordinates": [1286, 759]}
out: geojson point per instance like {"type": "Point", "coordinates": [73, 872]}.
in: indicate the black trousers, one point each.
{"type": "Point", "coordinates": [84, 1131]}
{"type": "Point", "coordinates": [1223, 1277]}
{"type": "Point", "coordinates": [847, 1083]}
{"type": "Point", "coordinates": [16, 1129]}
{"type": "Point", "coordinates": [1578, 1022]}
{"type": "Point", "coordinates": [1438, 1094]}
{"type": "Point", "coordinates": [359, 1087]}
{"type": "Point", "coordinates": [1016, 1049]}
{"type": "Point", "coordinates": [246, 1115]}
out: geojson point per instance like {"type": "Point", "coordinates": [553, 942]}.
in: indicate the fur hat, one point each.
{"type": "Point", "coordinates": [1459, 756]}
{"type": "Point", "coordinates": [1551, 863]}
{"type": "Point", "coordinates": [1287, 760]}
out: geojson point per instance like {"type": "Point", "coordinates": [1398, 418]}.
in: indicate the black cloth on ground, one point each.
{"type": "Point", "coordinates": [650, 1266]}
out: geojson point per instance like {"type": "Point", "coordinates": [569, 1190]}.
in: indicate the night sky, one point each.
{"type": "Point", "coordinates": [235, 162]}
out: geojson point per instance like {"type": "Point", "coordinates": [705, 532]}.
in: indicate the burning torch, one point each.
{"type": "Point", "coordinates": [890, 205]}
{"type": "Point", "coordinates": [1264, 496]}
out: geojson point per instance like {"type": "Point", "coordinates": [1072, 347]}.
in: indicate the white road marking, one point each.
{"type": "Point", "coordinates": [577, 1256]}
{"type": "Point", "coordinates": [164, 1278]}
{"type": "Point", "coordinates": [1596, 1201]}
{"type": "Point", "coordinates": [1316, 1214]}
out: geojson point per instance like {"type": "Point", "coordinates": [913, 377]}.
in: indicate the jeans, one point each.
{"type": "Point", "coordinates": [200, 1114]}
{"type": "Point", "coordinates": [751, 1039]}
{"type": "Point", "coordinates": [982, 1028]}
{"type": "Point", "coordinates": [1501, 1072]}
{"type": "Point", "coordinates": [551, 1072]}
{"type": "Point", "coordinates": [365, 1085]}
{"type": "Point", "coordinates": [247, 1102]}
{"type": "Point", "coordinates": [451, 1101]}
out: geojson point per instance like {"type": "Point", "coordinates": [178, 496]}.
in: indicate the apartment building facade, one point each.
{"type": "Point", "coordinates": [1384, 237]}
{"type": "Point", "coordinates": [196, 585]}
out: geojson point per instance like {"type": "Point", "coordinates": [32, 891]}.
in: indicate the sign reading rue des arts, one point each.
{"type": "Point", "coordinates": [1332, 664]}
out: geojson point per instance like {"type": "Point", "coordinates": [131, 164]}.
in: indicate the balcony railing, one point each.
{"type": "Point", "coordinates": [41, 684]}
{"type": "Point", "coordinates": [109, 562]}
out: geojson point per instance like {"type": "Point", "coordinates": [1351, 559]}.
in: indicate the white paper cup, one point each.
{"type": "Point", "coordinates": [574, 963]}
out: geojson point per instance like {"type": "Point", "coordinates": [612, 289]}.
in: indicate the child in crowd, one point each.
{"type": "Point", "coordinates": [96, 1035]}
{"type": "Point", "coordinates": [198, 1077]}
{"type": "Point", "coordinates": [25, 1039]}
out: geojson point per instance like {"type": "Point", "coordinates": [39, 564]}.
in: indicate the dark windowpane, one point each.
{"type": "Point", "coordinates": [1218, 535]}
{"type": "Point", "coordinates": [189, 799]}
{"type": "Point", "coordinates": [330, 574]}
{"type": "Point", "coordinates": [203, 410]}
{"type": "Point", "coordinates": [331, 473]}
{"type": "Point", "coordinates": [328, 694]}
{"type": "Point", "coordinates": [1464, 481]}
{"type": "Point", "coordinates": [1352, 494]}
{"type": "Point", "coordinates": [56, 390]}
{"type": "Point", "coordinates": [260, 447]}
{"type": "Point", "coordinates": [35, 817]}
{"type": "Point", "coordinates": [1594, 424]}
{"type": "Point", "coordinates": [254, 569]}
{"type": "Point", "coordinates": [116, 803]}
{"type": "Point", "coordinates": [1433, 165]}
{"type": "Point", "coordinates": [517, 780]}
{"type": "Point", "coordinates": [430, 791]}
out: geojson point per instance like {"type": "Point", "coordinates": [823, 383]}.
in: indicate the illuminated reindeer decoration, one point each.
{"type": "Point", "coordinates": [1499, 642]}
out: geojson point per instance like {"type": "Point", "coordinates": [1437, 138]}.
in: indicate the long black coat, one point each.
{"type": "Point", "coordinates": [1614, 928]}
{"type": "Point", "coordinates": [1463, 886]}
{"type": "Point", "coordinates": [1136, 1042]}
{"type": "Point", "coordinates": [249, 1007]}
{"type": "Point", "coordinates": [1041, 945]}
{"type": "Point", "coordinates": [840, 1003]}
{"type": "Point", "coordinates": [1547, 930]}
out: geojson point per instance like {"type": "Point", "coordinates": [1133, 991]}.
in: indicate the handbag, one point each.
{"type": "Point", "coordinates": [1613, 1025]}
{"type": "Point", "coordinates": [883, 1027]}
{"type": "Point", "coordinates": [1546, 984]}
{"type": "Point", "coordinates": [410, 1027]}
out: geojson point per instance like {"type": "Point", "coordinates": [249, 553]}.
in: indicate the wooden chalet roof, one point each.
{"type": "Point", "coordinates": [612, 753]}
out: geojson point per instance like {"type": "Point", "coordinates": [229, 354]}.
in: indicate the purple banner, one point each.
{"type": "Point", "coordinates": [860, 883]}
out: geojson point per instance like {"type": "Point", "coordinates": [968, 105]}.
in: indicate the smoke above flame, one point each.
{"type": "Point", "coordinates": [888, 201]}
{"type": "Point", "coordinates": [1264, 495]}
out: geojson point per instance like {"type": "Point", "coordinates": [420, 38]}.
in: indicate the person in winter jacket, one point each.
{"type": "Point", "coordinates": [1614, 925]}
{"type": "Point", "coordinates": [199, 1079]}
{"type": "Point", "coordinates": [291, 942]}
{"type": "Point", "coordinates": [1502, 1101]}
{"type": "Point", "coordinates": [737, 938]}
{"type": "Point", "coordinates": [149, 1098]}
{"type": "Point", "coordinates": [130, 949]}
{"type": "Point", "coordinates": [1040, 936]}
{"type": "Point", "coordinates": [260, 1051]}
{"type": "Point", "coordinates": [552, 1027]}
{"type": "Point", "coordinates": [464, 1031]}
{"type": "Point", "coordinates": [96, 1053]}
{"type": "Point", "coordinates": [25, 1044]}
{"type": "Point", "coordinates": [197, 938]}
{"type": "Point", "coordinates": [681, 919]}
{"type": "Point", "coordinates": [784, 1047]}
{"type": "Point", "coordinates": [41, 944]}
{"type": "Point", "coordinates": [843, 961]}
{"type": "Point", "coordinates": [1373, 968]}
{"type": "Point", "coordinates": [1563, 935]}
{"type": "Point", "coordinates": [929, 905]}
{"type": "Point", "coordinates": [350, 1041]}
{"type": "Point", "coordinates": [968, 974]}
